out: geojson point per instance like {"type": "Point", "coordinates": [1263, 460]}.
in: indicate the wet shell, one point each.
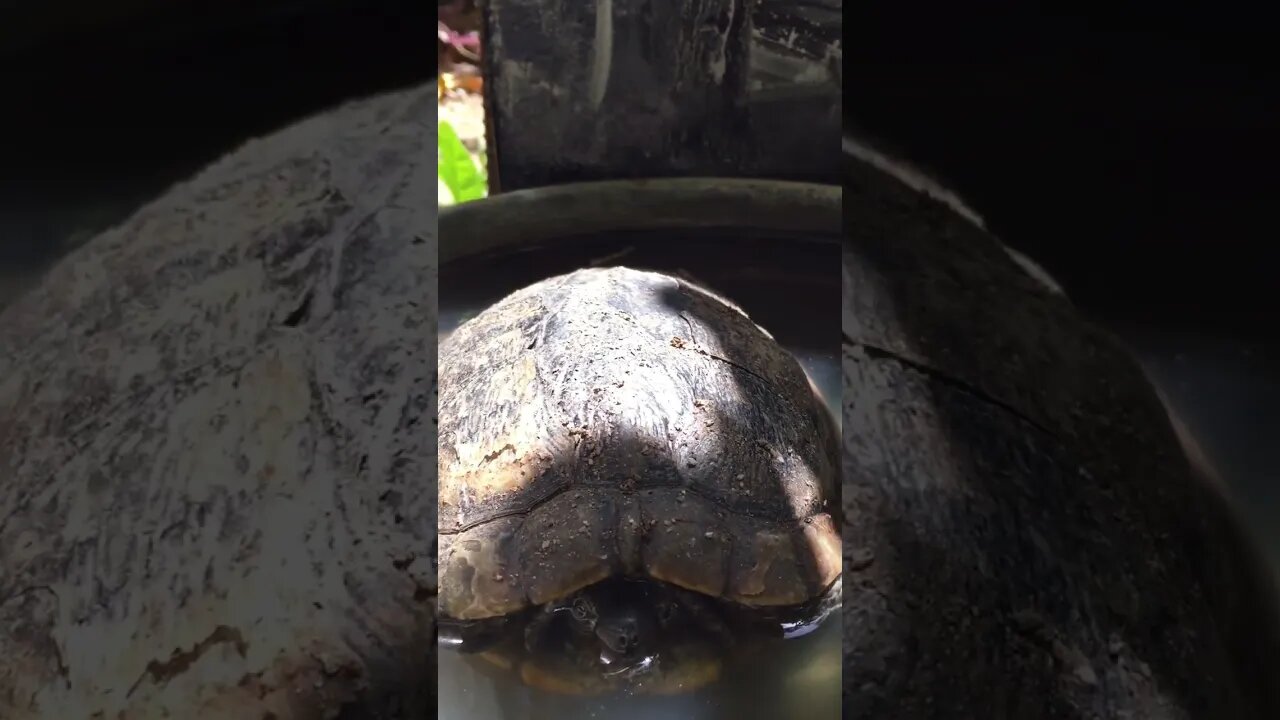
{"type": "Point", "coordinates": [613, 421]}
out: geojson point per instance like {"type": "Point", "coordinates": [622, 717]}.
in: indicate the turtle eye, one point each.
{"type": "Point", "coordinates": [582, 609]}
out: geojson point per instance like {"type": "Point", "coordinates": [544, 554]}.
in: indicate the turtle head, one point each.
{"type": "Point", "coordinates": [625, 629]}
{"type": "Point", "coordinates": [619, 633]}
{"type": "Point", "coordinates": [621, 618]}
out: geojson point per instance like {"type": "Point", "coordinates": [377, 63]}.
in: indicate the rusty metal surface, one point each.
{"type": "Point", "coordinates": [660, 88]}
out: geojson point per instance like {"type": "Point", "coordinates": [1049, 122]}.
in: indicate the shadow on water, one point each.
{"type": "Point", "coordinates": [1023, 538]}
{"type": "Point", "coordinates": [761, 680]}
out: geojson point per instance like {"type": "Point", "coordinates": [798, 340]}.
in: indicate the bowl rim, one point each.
{"type": "Point", "coordinates": [522, 218]}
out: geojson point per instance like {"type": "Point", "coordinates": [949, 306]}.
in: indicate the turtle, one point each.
{"type": "Point", "coordinates": [217, 488]}
{"type": "Point", "coordinates": [632, 475]}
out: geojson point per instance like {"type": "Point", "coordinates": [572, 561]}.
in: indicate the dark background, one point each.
{"type": "Point", "coordinates": [1103, 152]}
{"type": "Point", "coordinates": [1133, 156]}
{"type": "Point", "coordinates": [103, 111]}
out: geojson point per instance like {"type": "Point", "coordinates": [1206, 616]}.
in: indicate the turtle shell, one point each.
{"type": "Point", "coordinates": [1025, 516]}
{"type": "Point", "coordinates": [216, 497]}
{"type": "Point", "coordinates": [619, 422]}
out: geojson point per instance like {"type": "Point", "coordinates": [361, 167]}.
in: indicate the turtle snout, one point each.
{"type": "Point", "coordinates": [627, 640]}
{"type": "Point", "coordinates": [622, 637]}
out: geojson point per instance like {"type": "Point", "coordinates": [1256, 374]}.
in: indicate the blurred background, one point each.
{"type": "Point", "coordinates": [1135, 158]}
{"type": "Point", "coordinates": [106, 104]}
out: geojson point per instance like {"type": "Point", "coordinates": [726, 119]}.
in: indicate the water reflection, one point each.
{"type": "Point", "coordinates": [768, 678]}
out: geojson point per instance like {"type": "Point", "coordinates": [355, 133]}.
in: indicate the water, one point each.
{"type": "Point", "coordinates": [781, 679]}
{"type": "Point", "coordinates": [794, 679]}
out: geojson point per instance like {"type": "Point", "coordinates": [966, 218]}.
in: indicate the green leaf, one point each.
{"type": "Point", "coordinates": [456, 170]}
